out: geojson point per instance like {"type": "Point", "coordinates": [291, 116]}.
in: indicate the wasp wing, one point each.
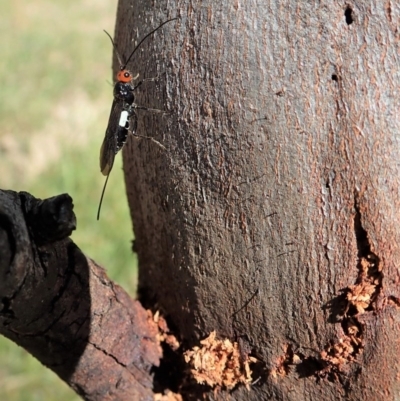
{"type": "Point", "coordinates": [109, 147]}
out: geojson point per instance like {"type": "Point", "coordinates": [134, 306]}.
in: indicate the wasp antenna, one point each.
{"type": "Point", "coordinates": [115, 48]}
{"type": "Point", "coordinates": [149, 34]}
{"type": "Point", "coordinates": [102, 196]}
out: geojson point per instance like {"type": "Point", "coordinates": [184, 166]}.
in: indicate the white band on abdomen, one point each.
{"type": "Point", "coordinates": [123, 119]}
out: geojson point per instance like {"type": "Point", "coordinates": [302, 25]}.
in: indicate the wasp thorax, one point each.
{"type": "Point", "coordinates": [124, 76]}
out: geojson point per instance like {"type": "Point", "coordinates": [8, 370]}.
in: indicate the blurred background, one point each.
{"type": "Point", "coordinates": [56, 94]}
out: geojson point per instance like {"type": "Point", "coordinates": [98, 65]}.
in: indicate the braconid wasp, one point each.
{"type": "Point", "coordinates": [123, 118]}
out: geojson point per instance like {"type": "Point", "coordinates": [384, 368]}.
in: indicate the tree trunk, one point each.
{"type": "Point", "coordinates": [272, 215]}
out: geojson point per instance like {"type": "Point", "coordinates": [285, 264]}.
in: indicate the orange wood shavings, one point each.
{"type": "Point", "coordinates": [167, 396]}
{"type": "Point", "coordinates": [365, 290]}
{"type": "Point", "coordinates": [163, 330]}
{"type": "Point", "coordinates": [219, 363]}
{"type": "Point", "coordinates": [284, 362]}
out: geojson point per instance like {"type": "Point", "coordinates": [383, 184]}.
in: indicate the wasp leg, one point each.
{"type": "Point", "coordinates": [151, 139]}
{"type": "Point", "coordinates": [150, 109]}
{"type": "Point", "coordinates": [133, 128]}
{"type": "Point", "coordinates": [151, 79]}
{"type": "Point", "coordinates": [137, 85]}
{"type": "Point", "coordinates": [144, 80]}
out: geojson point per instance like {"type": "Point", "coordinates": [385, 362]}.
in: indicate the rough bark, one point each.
{"type": "Point", "coordinates": [272, 217]}
{"type": "Point", "coordinates": [61, 307]}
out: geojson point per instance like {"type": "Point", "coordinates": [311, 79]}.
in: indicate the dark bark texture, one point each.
{"type": "Point", "coordinates": [272, 217]}
{"type": "Point", "coordinates": [62, 308]}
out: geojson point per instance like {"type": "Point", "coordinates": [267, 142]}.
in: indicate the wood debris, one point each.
{"type": "Point", "coordinates": [219, 363]}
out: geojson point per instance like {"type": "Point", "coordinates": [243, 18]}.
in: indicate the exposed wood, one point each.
{"type": "Point", "coordinates": [272, 217]}
{"type": "Point", "coordinates": [61, 307]}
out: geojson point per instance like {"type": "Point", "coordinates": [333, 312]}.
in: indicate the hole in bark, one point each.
{"type": "Point", "coordinates": [394, 301]}
{"type": "Point", "coordinates": [173, 375]}
{"type": "Point", "coordinates": [309, 367]}
{"type": "Point", "coordinates": [169, 375]}
{"type": "Point", "coordinates": [361, 234]}
{"type": "Point", "coordinates": [362, 295]}
{"type": "Point", "coordinates": [349, 15]}
{"type": "Point", "coordinates": [356, 299]}
{"type": "Point", "coordinates": [337, 307]}
{"type": "Point", "coordinates": [258, 373]}
{"type": "Point", "coordinates": [335, 78]}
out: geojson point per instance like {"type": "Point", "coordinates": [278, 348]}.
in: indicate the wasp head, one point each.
{"type": "Point", "coordinates": [124, 76]}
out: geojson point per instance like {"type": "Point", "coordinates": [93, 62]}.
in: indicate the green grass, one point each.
{"type": "Point", "coordinates": [23, 378]}
{"type": "Point", "coordinates": [56, 62]}
{"type": "Point", "coordinates": [108, 240]}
